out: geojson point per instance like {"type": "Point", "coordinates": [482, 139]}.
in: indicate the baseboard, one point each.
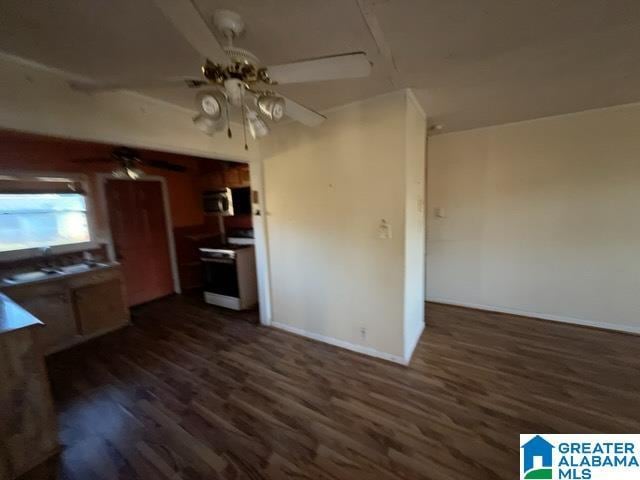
{"type": "Point", "coordinates": [542, 316]}
{"type": "Point", "coordinates": [409, 354]}
{"type": "Point", "coordinates": [372, 352]}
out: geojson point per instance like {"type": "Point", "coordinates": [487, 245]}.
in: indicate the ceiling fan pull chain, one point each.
{"type": "Point", "coordinates": [244, 119]}
{"type": "Point", "coordinates": [226, 107]}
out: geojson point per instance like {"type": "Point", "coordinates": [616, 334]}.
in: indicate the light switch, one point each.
{"type": "Point", "coordinates": [384, 230]}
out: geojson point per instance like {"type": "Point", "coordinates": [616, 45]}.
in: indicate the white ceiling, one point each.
{"type": "Point", "coordinates": [471, 62]}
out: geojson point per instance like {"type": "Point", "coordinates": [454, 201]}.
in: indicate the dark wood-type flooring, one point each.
{"type": "Point", "coordinates": [194, 392]}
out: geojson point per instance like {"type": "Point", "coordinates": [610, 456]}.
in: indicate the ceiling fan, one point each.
{"type": "Point", "coordinates": [234, 76]}
{"type": "Point", "coordinates": [130, 163]}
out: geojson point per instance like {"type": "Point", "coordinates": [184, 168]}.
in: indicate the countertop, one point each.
{"type": "Point", "coordinates": [13, 317]}
{"type": "Point", "coordinates": [6, 286]}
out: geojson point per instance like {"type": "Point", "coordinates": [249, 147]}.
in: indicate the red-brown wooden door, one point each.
{"type": "Point", "coordinates": [139, 232]}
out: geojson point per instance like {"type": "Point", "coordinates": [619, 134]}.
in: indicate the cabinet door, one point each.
{"type": "Point", "coordinates": [212, 180]}
{"type": "Point", "coordinates": [99, 307]}
{"type": "Point", "coordinates": [53, 308]}
{"type": "Point", "coordinates": [237, 176]}
{"type": "Point", "coordinates": [245, 176]}
{"type": "Point", "coordinates": [232, 177]}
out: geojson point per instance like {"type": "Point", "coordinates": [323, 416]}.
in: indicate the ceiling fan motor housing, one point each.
{"type": "Point", "coordinates": [242, 65]}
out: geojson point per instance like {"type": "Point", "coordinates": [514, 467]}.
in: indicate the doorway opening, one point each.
{"type": "Point", "coordinates": [218, 257]}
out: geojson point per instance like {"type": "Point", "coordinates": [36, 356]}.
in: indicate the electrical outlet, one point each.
{"type": "Point", "coordinates": [363, 332]}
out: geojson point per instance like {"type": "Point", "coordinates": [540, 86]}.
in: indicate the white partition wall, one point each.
{"type": "Point", "coordinates": [344, 207]}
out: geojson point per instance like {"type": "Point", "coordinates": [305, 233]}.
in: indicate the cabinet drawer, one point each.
{"type": "Point", "coordinates": [20, 292]}
{"type": "Point", "coordinates": [93, 278]}
{"type": "Point", "coordinates": [99, 307]}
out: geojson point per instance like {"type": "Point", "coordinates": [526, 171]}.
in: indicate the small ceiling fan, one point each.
{"type": "Point", "coordinates": [236, 77]}
{"type": "Point", "coordinates": [130, 163]}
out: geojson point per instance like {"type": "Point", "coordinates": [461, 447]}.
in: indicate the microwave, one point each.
{"type": "Point", "coordinates": [227, 201]}
{"type": "Point", "coordinates": [218, 201]}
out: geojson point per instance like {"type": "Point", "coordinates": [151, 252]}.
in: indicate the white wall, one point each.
{"type": "Point", "coordinates": [541, 218]}
{"type": "Point", "coordinates": [415, 132]}
{"type": "Point", "coordinates": [328, 189]}
{"type": "Point", "coordinates": [37, 99]}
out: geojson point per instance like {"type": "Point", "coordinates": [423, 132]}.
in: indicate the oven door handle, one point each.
{"type": "Point", "coordinates": [218, 260]}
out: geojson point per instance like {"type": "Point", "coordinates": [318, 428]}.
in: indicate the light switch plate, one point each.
{"type": "Point", "coordinates": [384, 230]}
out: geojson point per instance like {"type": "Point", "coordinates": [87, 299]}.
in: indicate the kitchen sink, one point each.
{"type": "Point", "coordinates": [30, 276]}
{"type": "Point", "coordinates": [80, 267]}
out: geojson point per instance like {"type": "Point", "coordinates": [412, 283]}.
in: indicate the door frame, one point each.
{"type": "Point", "coordinates": [101, 181]}
{"type": "Point", "coordinates": [261, 239]}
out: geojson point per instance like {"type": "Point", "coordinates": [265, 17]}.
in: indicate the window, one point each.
{"type": "Point", "coordinates": [36, 220]}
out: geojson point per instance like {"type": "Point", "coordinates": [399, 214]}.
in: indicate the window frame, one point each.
{"type": "Point", "coordinates": [36, 252]}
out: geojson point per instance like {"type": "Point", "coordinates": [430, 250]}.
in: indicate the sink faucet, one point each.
{"type": "Point", "coordinates": [46, 255]}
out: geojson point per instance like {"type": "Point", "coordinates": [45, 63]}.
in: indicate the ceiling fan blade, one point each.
{"type": "Point", "coordinates": [92, 160]}
{"type": "Point", "coordinates": [348, 65]}
{"type": "Point", "coordinates": [187, 19]}
{"type": "Point", "coordinates": [164, 165]}
{"type": "Point", "coordinates": [135, 84]}
{"type": "Point", "coordinates": [302, 114]}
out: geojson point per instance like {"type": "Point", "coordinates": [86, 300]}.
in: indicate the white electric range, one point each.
{"type": "Point", "coordinates": [230, 278]}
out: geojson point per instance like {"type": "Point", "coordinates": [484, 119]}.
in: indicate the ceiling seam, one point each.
{"type": "Point", "coordinates": [75, 78]}
{"type": "Point", "coordinates": [371, 19]}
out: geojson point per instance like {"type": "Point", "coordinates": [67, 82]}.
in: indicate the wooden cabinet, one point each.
{"type": "Point", "coordinates": [51, 304]}
{"type": "Point", "coordinates": [223, 175]}
{"type": "Point", "coordinates": [237, 176]}
{"type": "Point", "coordinates": [99, 307]}
{"type": "Point", "coordinates": [213, 180]}
{"type": "Point", "coordinates": [28, 433]}
{"type": "Point", "coordinates": [74, 307]}
{"type": "Point", "coordinates": [232, 177]}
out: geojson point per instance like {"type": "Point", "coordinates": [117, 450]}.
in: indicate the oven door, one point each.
{"type": "Point", "coordinates": [221, 276]}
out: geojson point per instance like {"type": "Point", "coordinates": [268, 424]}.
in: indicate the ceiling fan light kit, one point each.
{"type": "Point", "coordinates": [206, 124]}
{"type": "Point", "coordinates": [234, 89]}
{"type": "Point", "coordinates": [127, 173]}
{"type": "Point", "coordinates": [238, 75]}
{"type": "Point", "coordinates": [257, 126]}
{"type": "Point", "coordinates": [211, 103]}
{"type": "Point", "coordinates": [271, 106]}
